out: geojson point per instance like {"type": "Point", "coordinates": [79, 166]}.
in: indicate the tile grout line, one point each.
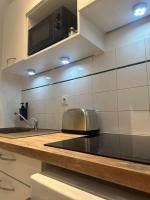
{"type": "Point", "coordinates": [147, 81]}
{"type": "Point", "coordinates": [118, 121]}
{"type": "Point", "coordinates": [88, 75]}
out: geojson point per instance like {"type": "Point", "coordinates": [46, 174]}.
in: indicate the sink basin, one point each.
{"type": "Point", "coordinates": [14, 130]}
{"type": "Point", "coordinates": [21, 132]}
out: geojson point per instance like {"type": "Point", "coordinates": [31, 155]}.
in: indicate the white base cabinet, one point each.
{"type": "Point", "coordinates": [10, 189]}
{"type": "Point", "coordinates": [18, 166]}
{"type": "Point", "coordinates": [15, 173]}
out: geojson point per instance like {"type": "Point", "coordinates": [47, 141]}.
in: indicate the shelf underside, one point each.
{"type": "Point", "coordinates": [75, 47]}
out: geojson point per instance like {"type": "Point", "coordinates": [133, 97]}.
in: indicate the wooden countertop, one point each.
{"type": "Point", "coordinates": [130, 174]}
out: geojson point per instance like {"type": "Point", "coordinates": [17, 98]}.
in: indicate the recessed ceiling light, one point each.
{"type": "Point", "coordinates": [65, 60]}
{"type": "Point", "coordinates": [31, 72]}
{"type": "Point", "coordinates": [140, 9]}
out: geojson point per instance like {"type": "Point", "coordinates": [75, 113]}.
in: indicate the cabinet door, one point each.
{"type": "Point", "coordinates": [18, 166]}
{"type": "Point", "coordinates": [11, 189]}
{"type": "Point", "coordinates": [15, 31]}
{"type": "Point", "coordinates": [14, 39]}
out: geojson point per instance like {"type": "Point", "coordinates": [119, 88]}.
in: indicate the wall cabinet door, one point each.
{"type": "Point", "coordinates": [14, 39]}
{"type": "Point", "coordinates": [15, 31]}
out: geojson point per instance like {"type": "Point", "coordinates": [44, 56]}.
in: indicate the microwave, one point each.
{"type": "Point", "coordinates": [51, 30]}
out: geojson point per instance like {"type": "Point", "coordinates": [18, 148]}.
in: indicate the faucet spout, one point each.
{"type": "Point", "coordinates": [35, 121]}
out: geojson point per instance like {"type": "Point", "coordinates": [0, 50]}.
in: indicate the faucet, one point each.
{"type": "Point", "coordinates": [35, 121]}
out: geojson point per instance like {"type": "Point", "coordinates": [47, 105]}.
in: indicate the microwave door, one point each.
{"type": "Point", "coordinates": [41, 36]}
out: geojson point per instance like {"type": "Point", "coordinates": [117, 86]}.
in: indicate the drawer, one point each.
{"type": "Point", "coordinates": [11, 189]}
{"type": "Point", "coordinates": [18, 166]}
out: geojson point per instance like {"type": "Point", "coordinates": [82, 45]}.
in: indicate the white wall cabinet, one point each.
{"type": "Point", "coordinates": [18, 18]}
{"type": "Point", "coordinates": [15, 32]}
{"type": "Point", "coordinates": [14, 35]}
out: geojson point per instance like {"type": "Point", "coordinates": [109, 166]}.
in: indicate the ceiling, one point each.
{"type": "Point", "coordinates": [111, 14]}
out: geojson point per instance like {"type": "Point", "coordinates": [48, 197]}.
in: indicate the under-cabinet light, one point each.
{"type": "Point", "coordinates": [140, 9]}
{"type": "Point", "coordinates": [65, 60]}
{"type": "Point", "coordinates": [31, 72]}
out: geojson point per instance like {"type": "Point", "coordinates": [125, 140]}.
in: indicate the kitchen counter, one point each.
{"type": "Point", "coordinates": [125, 173]}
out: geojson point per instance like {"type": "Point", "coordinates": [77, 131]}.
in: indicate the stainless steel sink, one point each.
{"type": "Point", "coordinates": [14, 130]}
{"type": "Point", "coordinates": [21, 132]}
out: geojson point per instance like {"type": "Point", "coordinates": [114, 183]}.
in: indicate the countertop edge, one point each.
{"type": "Point", "coordinates": [131, 175]}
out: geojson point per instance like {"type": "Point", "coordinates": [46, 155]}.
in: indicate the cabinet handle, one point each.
{"type": "Point", "coordinates": [6, 189]}
{"type": "Point", "coordinates": [11, 59]}
{"type": "Point", "coordinates": [2, 157]}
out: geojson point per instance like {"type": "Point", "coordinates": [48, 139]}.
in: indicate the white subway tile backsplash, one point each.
{"type": "Point", "coordinates": [39, 93]}
{"type": "Point", "coordinates": [148, 72]}
{"type": "Point", "coordinates": [84, 101]}
{"type": "Point", "coordinates": [121, 97]}
{"type": "Point", "coordinates": [52, 105]}
{"type": "Point", "coordinates": [81, 86]}
{"type": "Point", "coordinates": [134, 122]}
{"type": "Point", "coordinates": [147, 44]}
{"type": "Point", "coordinates": [104, 61]}
{"type": "Point", "coordinates": [52, 121]}
{"type": "Point", "coordinates": [132, 76]}
{"type": "Point", "coordinates": [72, 102]}
{"type": "Point", "coordinates": [129, 54]}
{"type": "Point", "coordinates": [105, 101]}
{"type": "Point", "coordinates": [42, 120]}
{"type": "Point", "coordinates": [108, 122]}
{"type": "Point", "coordinates": [61, 89]}
{"type": "Point", "coordinates": [133, 99]}
{"type": "Point", "coordinates": [104, 82]}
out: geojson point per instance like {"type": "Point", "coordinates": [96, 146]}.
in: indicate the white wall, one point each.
{"type": "Point", "coordinates": [121, 97]}
{"type": "Point", "coordinates": [10, 85]}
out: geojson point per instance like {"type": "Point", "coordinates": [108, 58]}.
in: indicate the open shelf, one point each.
{"type": "Point", "coordinates": [74, 47]}
{"type": "Point", "coordinates": [86, 42]}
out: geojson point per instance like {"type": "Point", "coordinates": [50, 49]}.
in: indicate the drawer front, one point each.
{"type": "Point", "coordinates": [18, 166]}
{"type": "Point", "coordinates": [11, 189]}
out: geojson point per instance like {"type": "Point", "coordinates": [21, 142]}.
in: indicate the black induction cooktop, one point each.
{"type": "Point", "coordinates": [127, 147]}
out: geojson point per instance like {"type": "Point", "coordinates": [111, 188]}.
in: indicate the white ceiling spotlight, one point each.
{"type": "Point", "coordinates": [31, 72]}
{"type": "Point", "coordinates": [65, 60]}
{"type": "Point", "coordinates": [139, 9]}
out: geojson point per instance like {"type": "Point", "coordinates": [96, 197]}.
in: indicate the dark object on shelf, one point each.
{"type": "Point", "coordinates": [72, 31]}
{"type": "Point", "coordinates": [53, 29]}
{"type": "Point", "coordinates": [24, 111]}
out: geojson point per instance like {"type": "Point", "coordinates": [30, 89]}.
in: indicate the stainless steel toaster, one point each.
{"type": "Point", "coordinates": [80, 121]}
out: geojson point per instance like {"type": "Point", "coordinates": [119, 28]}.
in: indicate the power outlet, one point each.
{"type": "Point", "coordinates": [65, 100]}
